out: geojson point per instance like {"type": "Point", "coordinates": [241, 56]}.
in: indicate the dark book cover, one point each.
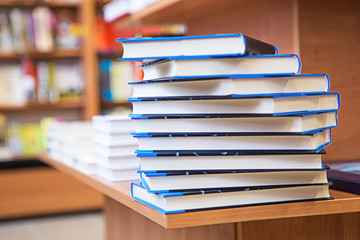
{"type": "Point", "coordinates": [345, 175]}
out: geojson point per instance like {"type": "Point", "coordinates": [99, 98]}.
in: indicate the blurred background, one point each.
{"type": "Point", "coordinates": [58, 61]}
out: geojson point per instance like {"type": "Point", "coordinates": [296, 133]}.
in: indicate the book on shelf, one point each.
{"type": "Point", "coordinates": [210, 67]}
{"type": "Point", "coordinates": [124, 148]}
{"type": "Point", "coordinates": [22, 139]}
{"type": "Point", "coordinates": [113, 77]}
{"type": "Point", "coordinates": [276, 104]}
{"type": "Point", "coordinates": [116, 161]}
{"type": "Point", "coordinates": [84, 162]}
{"type": "Point", "coordinates": [43, 29]}
{"type": "Point", "coordinates": [117, 173]}
{"type": "Point", "coordinates": [118, 137]}
{"type": "Point", "coordinates": [292, 84]}
{"type": "Point", "coordinates": [228, 162]}
{"type": "Point", "coordinates": [201, 180]}
{"type": "Point", "coordinates": [6, 39]}
{"type": "Point", "coordinates": [113, 123]}
{"type": "Point", "coordinates": [5, 151]}
{"type": "Point", "coordinates": [345, 175]}
{"type": "Point", "coordinates": [302, 123]}
{"type": "Point", "coordinates": [12, 85]}
{"type": "Point", "coordinates": [40, 29]}
{"type": "Point", "coordinates": [67, 30]}
{"type": "Point", "coordinates": [187, 200]}
{"type": "Point", "coordinates": [233, 141]}
{"type": "Point", "coordinates": [149, 49]}
{"type": "Point", "coordinates": [47, 81]}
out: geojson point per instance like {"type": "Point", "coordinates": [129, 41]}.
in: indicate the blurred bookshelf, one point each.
{"type": "Point", "coordinates": [45, 41]}
{"type": "Point", "coordinates": [35, 3]}
{"type": "Point", "coordinates": [42, 106]}
{"type": "Point", "coordinates": [56, 54]}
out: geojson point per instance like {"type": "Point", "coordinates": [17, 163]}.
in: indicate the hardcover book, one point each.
{"type": "Point", "coordinates": [229, 162]}
{"type": "Point", "coordinates": [243, 86]}
{"type": "Point", "coordinates": [208, 67]}
{"type": "Point", "coordinates": [239, 141]}
{"type": "Point", "coordinates": [236, 44]}
{"type": "Point", "coordinates": [186, 201]}
{"type": "Point", "coordinates": [345, 175]}
{"type": "Point", "coordinates": [179, 181]}
{"type": "Point", "coordinates": [303, 123]}
{"type": "Point", "coordinates": [278, 104]}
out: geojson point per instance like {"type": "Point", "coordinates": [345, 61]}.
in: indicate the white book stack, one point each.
{"type": "Point", "coordinates": [114, 147]}
{"type": "Point", "coordinates": [71, 143]}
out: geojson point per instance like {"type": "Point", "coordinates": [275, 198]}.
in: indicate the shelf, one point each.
{"type": "Point", "coordinates": [42, 106]}
{"type": "Point", "coordinates": [58, 53]}
{"type": "Point", "coordinates": [105, 104]}
{"type": "Point", "coordinates": [120, 192]}
{"type": "Point", "coordinates": [152, 9]}
{"type": "Point", "coordinates": [35, 3]}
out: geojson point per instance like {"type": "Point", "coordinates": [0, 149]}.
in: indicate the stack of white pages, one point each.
{"type": "Point", "coordinates": [71, 143]}
{"type": "Point", "coordinates": [224, 121]}
{"type": "Point", "coordinates": [114, 147]}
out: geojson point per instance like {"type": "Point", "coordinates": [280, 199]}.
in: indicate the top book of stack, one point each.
{"type": "Point", "coordinates": [219, 45]}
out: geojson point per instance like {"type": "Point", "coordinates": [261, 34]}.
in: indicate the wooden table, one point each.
{"type": "Point", "coordinates": [127, 219]}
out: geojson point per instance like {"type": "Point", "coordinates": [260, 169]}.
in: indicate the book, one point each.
{"type": "Point", "coordinates": [303, 123]}
{"type": "Point", "coordinates": [201, 180]}
{"type": "Point", "coordinates": [17, 17]}
{"type": "Point", "coordinates": [316, 83]}
{"type": "Point", "coordinates": [235, 44]}
{"type": "Point", "coordinates": [30, 136]}
{"type": "Point", "coordinates": [277, 105]}
{"type": "Point", "coordinates": [116, 161]}
{"type": "Point", "coordinates": [208, 67]}
{"type": "Point", "coordinates": [84, 162]}
{"type": "Point", "coordinates": [186, 201]}
{"type": "Point", "coordinates": [228, 141]}
{"type": "Point", "coordinates": [345, 175]}
{"type": "Point", "coordinates": [113, 76]}
{"type": "Point", "coordinates": [43, 19]}
{"type": "Point", "coordinates": [118, 123]}
{"type": "Point", "coordinates": [117, 174]}
{"type": "Point", "coordinates": [6, 38]}
{"type": "Point", "coordinates": [115, 149]}
{"type": "Point", "coordinates": [226, 162]}
{"type": "Point", "coordinates": [117, 137]}
{"type": "Point", "coordinates": [68, 31]}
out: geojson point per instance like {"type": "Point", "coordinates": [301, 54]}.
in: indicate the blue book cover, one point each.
{"type": "Point", "coordinates": [139, 193]}
{"type": "Point", "coordinates": [233, 44]}
{"type": "Point", "coordinates": [327, 102]}
{"type": "Point", "coordinates": [178, 153]}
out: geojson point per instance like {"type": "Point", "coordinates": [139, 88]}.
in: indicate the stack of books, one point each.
{"type": "Point", "coordinates": [224, 121]}
{"type": "Point", "coordinates": [114, 147]}
{"type": "Point", "coordinates": [71, 143]}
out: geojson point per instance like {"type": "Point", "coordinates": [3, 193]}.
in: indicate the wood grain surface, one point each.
{"type": "Point", "coordinates": [42, 190]}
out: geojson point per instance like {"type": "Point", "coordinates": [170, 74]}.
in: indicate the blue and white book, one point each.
{"type": "Point", "coordinates": [187, 201]}
{"type": "Point", "coordinates": [233, 141]}
{"type": "Point", "coordinates": [201, 180]}
{"type": "Point", "coordinates": [217, 152]}
{"type": "Point", "coordinates": [235, 44]}
{"type": "Point", "coordinates": [304, 123]}
{"type": "Point", "coordinates": [277, 104]}
{"type": "Point", "coordinates": [229, 162]}
{"type": "Point", "coordinates": [209, 67]}
{"type": "Point", "coordinates": [242, 86]}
